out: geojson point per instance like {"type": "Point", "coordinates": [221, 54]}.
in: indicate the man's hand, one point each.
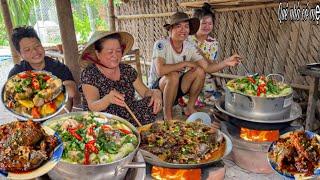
{"type": "Point", "coordinates": [232, 61]}
{"type": "Point", "coordinates": [187, 64]}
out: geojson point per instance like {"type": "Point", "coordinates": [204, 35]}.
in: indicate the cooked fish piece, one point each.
{"type": "Point", "coordinates": [24, 146]}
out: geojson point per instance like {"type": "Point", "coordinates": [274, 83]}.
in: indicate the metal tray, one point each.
{"type": "Point", "coordinates": [295, 113]}
{"type": "Point", "coordinates": [153, 161]}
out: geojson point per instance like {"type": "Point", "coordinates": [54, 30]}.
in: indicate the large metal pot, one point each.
{"type": "Point", "coordinates": [260, 108]}
{"type": "Point", "coordinates": [115, 170]}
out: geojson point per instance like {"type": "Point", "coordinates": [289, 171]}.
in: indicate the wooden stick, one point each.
{"type": "Point", "coordinates": [133, 116]}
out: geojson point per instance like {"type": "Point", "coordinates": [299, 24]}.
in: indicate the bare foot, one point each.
{"type": "Point", "coordinates": [189, 110]}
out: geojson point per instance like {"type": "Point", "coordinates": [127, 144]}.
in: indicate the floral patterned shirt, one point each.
{"type": "Point", "coordinates": [209, 47]}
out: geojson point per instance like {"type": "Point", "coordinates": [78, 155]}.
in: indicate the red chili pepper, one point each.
{"type": "Point", "coordinates": [251, 80]}
{"type": "Point", "coordinates": [91, 147]}
{"type": "Point", "coordinates": [73, 132]}
{"type": "Point", "coordinates": [261, 89]}
{"type": "Point", "coordinates": [23, 76]}
{"type": "Point", "coordinates": [91, 131]}
{"type": "Point", "coordinates": [88, 149]}
{"type": "Point", "coordinates": [125, 131]}
{"type": "Point", "coordinates": [86, 156]}
{"type": "Point", "coordinates": [35, 83]}
{"type": "Point", "coordinates": [105, 127]}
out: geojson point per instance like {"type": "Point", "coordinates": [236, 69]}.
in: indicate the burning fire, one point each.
{"type": "Point", "coordinates": [175, 174]}
{"type": "Point", "coordinates": [259, 135]}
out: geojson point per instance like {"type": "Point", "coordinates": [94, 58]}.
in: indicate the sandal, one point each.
{"type": "Point", "coordinates": [199, 104]}
{"type": "Point", "coordinates": [181, 102]}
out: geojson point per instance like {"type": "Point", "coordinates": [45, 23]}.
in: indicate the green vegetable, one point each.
{"type": "Point", "coordinates": [26, 82]}
{"type": "Point", "coordinates": [19, 89]}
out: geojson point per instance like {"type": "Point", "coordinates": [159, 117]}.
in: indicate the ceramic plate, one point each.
{"type": "Point", "coordinates": [25, 117]}
{"type": "Point", "coordinates": [45, 168]}
{"type": "Point", "coordinates": [274, 165]}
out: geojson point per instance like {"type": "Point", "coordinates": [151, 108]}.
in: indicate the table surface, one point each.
{"type": "Point", "coordinates": [307, 71]}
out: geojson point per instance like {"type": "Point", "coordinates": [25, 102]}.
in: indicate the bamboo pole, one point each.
{"type": "Point", "coordinates": [222, 6]}
{"type": "Point", "coordinates": [231, 76]}
{"type": "Point", "coordinates": [9, 28]}
{"type": "Point", "coordinates": [137, 16]}
{"type": "Point", "coordinates": [111, 16]}
{"type": "Point", "coordinates": [217, 9]}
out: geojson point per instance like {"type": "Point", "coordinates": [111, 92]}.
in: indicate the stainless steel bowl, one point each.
{"type": "Point", "coordinates": [114, 170]}
{"type": "Point", "coordinates": [259, 108]}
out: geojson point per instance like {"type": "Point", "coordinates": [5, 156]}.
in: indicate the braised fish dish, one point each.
{"type": "Point", "coordinates": [180, 142]}
{"type": "Point", "coordinates": [33, 94]}
{"type": "Point", "coordinates": [296, 154]}
{"type": "Point", "coordinates": [259, 86]}
{"type": "Point", "coordinates": [93, 138]}
{"type": "Point", "coordinates": [24, 146]}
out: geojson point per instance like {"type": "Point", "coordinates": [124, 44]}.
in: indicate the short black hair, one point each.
{"type": "Point", "coordinates": [205, 10]}
{"type": "Point", "coordinates": [98, 44]}
{"type": "Point", "coordinates": [23, 32]}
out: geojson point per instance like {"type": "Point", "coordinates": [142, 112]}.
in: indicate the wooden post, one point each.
{"type": "Point", "coordinates": [111, 16]}
{"type": "Point", "coordinates": [312, 103]}
{"type": "Point", "coordinates": [9, 27]}
{"type": "Point", "coordinates": [68, 37]}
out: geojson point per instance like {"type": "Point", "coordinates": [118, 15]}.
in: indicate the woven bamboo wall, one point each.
{"type": "Point", "coordinates": [266, 45]}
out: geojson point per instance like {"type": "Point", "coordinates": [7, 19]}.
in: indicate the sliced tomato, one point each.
{"type": "Point", "coordinates": [23, 75]}
{"type": "Point", "coordinates": [53, 105]}
{"type": "Point", "coordinates": [46, 77]}
{"type": "Point", "coordinates": [35, 83]}
{"type": "Point", "coordinates": [35, 113]}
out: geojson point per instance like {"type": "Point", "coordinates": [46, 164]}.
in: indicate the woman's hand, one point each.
{"type": "Point", "coordinates": [232, 61]}
{"type": "Point", "coordinates": [156, 100]}
{"type": "Point", "coordinates": [114, 97]}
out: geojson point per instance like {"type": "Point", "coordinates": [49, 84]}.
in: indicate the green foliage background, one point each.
{"type": "Point", "coordinates": [21, 14]}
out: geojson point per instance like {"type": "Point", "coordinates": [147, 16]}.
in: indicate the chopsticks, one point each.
{"type": "Point", "coordinates": [133, 116]}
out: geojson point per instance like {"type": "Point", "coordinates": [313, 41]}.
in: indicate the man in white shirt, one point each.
{"type": "Point", "coordinates": [177, 67]}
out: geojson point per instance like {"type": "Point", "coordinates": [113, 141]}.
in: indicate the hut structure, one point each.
{"type": "Point", "coordinates": [251, 29]}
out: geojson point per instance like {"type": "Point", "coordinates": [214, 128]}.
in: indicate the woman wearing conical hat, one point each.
{"type": "Point", "coordinates": [108, 85]}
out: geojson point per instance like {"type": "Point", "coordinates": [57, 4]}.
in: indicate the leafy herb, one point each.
{"type": "Point", "coordinates": [26, 82]}
{"type": "Point", "coordinates": [19, 89]}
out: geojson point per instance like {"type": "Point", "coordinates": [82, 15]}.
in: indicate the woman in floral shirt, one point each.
{"type": "Point", "coordinates": [207, 45]}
